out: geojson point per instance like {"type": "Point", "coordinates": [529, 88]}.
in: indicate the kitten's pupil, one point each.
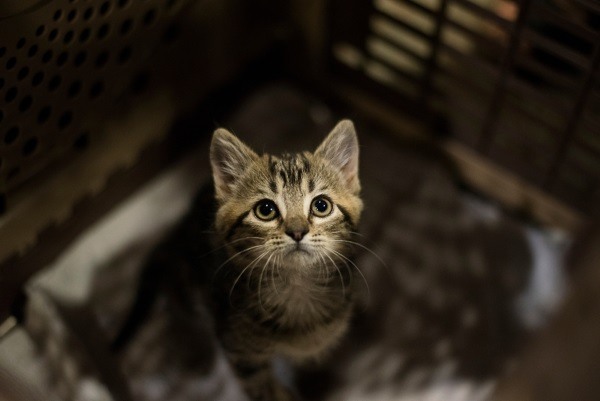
{"type": "Point", "coordinates": [321, 207]}
{"type": "Point", "coordinates": [266, 210]}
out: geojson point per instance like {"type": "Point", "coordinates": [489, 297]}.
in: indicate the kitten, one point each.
{"type": "Point", "coordinates": [283, 285]}
{"type": "Point", "coordinates": [284, 222]}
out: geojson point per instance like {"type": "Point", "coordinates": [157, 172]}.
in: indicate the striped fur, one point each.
{"type": "Point", "coordinates": [281, 296]}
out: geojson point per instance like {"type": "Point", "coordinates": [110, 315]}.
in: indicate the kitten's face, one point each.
{"type": "Point", "coordinates": [295, 210]}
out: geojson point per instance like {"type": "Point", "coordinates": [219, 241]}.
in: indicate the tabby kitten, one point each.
{"type": "Point", "coordinates": [285, 223]}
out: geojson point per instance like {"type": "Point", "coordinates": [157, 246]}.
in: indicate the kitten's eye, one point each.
{"type": "Point", "coordinates": [321, 207]}
{"type": "Point", "coordinates": [266, 210]}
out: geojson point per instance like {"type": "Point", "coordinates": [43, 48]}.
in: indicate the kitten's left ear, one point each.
{"type": "Point", "coordinates": [229, 158]}
{"type": "Point", "coordinates": [341, 149]}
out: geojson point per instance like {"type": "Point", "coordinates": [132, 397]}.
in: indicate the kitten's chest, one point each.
{"type": "Point", "coordinates": [301, 301]}
{"type": "Point", "coordinates": [308, 319]}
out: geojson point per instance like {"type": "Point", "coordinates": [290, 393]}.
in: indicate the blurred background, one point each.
{"type": "Point", "coordinates": [480, 159]}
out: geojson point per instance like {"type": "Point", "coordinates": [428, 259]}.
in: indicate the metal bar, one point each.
{"type": "Point", "coordinates": [475, 62]}
{"type": "Point", "coordinates": [400, 47]}
{"type": "Point", "coordinates": [395, 69]}
{"type": "Point", "coordinates": [486, 14]}
{"type": "Point", "coordinates": [500, 91]}
{"type": "Point", "coordinates": [575, 118]}
{"type": "Point", "coordinates": [478, 37]}
{"type": "Point", "coordinates": [403, 24]}
{"type": "Point", "coordinates": [419, 7]}
{"type": "Point", "coordinates": [430, 66]}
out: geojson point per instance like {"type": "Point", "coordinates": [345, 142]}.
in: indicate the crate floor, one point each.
{"type": "Point", "coordinates": [452, 286]}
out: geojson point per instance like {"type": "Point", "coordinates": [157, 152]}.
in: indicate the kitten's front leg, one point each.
{"type": "Point", "coordinates": [260, 384]}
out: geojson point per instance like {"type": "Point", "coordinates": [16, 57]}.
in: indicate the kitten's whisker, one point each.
{"type": "Point", "coordinates": [339, 273]}
{"type": "Point", "coordinates": [242, 273]}
{"type": "Point", "coordinates": [272, 273]}
{"type": "Point", "coordinates": [365, 248]}
{"type": "Point", "coordinates": [260, 281]}
{"type": "Point", "coordinates": [227, 244]}
{"type": "Point", "coordinates": [341, 256]}
{"type": "Point", "coordinates": [236, 255]}
{"type": "Point", "coordinates": [323, 270]}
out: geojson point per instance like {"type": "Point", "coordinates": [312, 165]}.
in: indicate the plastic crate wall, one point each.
{"type": "Point", "coordinates": [517, 81]}
{"type": "Point", "coordinates": [63, 65]}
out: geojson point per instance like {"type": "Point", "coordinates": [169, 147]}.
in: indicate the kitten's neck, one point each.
{"type": "Point", "coordinates": [301, 295]}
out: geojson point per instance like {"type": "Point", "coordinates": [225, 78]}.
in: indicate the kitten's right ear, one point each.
{"type": "Point", "coordinates": [229, 158]}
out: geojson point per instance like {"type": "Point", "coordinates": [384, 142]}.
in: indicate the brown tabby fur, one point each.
{"type": "Point", "coordinates": [284, 296]}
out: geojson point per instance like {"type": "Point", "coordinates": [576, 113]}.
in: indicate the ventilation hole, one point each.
{"type": "Point", "coordinates": [52, 35]}
{"type": "Point", "coordinates": [23, 72]}
{"type": "Point", "coordinates": [123, 3]}
{"type": "Point", "coordinates": [11, 94]}
{"type": "Point", "coordinates": [37, 78]}
{"type": "Point", "coordinates": [105, 8]}
{"type": "Point", "coordinates": [68, 37]}
{"type": "Point", "coordinates": [54, 83]}
{"type": "Point", "coordinates": [102, 59]}
{"type": "Point", "coordinates": [40, 30]}
{"type": "Point", "coordinates": [96, 89]}
{"type": "Point", "coordinates": [72, 15]}
{"type": "Point", "coordinates": [30, 146]}
{"type": "Point", "coordinates": [149, 17]}
{"type": "Point", "coordinates": [62, 59]}
{"type": "Point", "coordinates": [85, 35]}
{"type": "Point", "coordinates": [65, 120]}
{"type": "Point", "coordinates": [88, 13]}
{"type": "Point", "coordinates": [139, 83]}
{"type": "Point", "coordinates": [126, 26]}
{"type": "Point", "coordinates": [21, 43]}
{"type": "Point", "coordinates": [44, 115]}
{"type": "Point", "coordinates": [25, 104]}
{"type": "Point", "coordinates": [57, 15]}
{"type": "Point", "coordinates": [103, 31]}
{"type": "Point", "coordinates": [79, 58]}
{"type": "Point", "coordinates": [11, 135]}
{"type": "Point", "coordinates": [47, 56]}
{"type": "Point", "coordinates": [82, 141]}
{"type": "Point", "coordinates": [32, 50]}
{"type": "Point", "coordinates": [1, 116]}
{"type": "Point", "coordinates": [1, 82]}
{"type": "Point", "coordinates": [13, 172]}
{"type": "Point", "coordinates": [10, 63]}
{"type": "Point", "coordinates": [124, 55]}
{"type": "Point", "coordinates": [2, 51]}
{"type": "Point", "coordinates": [74, 89]}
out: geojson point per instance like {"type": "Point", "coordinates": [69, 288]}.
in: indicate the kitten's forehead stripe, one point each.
{"type": "Point", "coordinates": [273, 186]}
{"type": "Point", "coordinates": [291, 168]}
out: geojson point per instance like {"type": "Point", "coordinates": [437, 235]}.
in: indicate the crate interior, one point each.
{"type": "Point", "coordinates": [480, 157]}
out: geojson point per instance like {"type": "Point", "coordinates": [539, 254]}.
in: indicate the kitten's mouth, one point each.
{"type": "Point", "coordinates": [299, 249]}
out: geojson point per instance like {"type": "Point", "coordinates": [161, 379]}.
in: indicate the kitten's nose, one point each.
{"type": "Point", "coordinates": [297, 235]}
{"type": "Point", "coordinates": [296, 227]}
